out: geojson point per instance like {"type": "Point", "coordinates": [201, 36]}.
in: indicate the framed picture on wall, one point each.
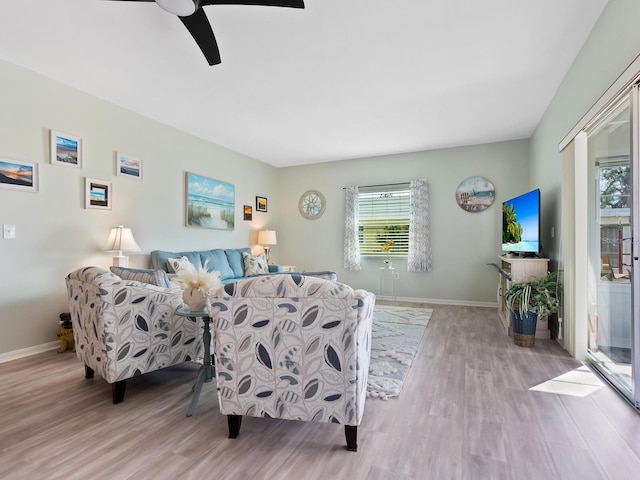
{"type": "Point", "coordinates": [18, 175]}
{"type": "Point", "coordinates": [98, 194]}
{"type": "Point", "coordinates": [261, 204]}
{"type": "Point", "coordinates": [210, 203]}
{"type": "Point", "coordinates": [128, 166]}
{"type": "Point", "coordinates": [66, 150]}
{"type": "Point", "coordinates": [248, 212]}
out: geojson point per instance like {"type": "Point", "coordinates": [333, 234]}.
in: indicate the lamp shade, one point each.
{"type": "Point", "coordinates": [267, 237]}
{"type": "Point", "coordinates": [121, 240]}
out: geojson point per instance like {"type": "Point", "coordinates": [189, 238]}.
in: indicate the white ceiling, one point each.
{"type": "Point", "coordinates": [339, 79]}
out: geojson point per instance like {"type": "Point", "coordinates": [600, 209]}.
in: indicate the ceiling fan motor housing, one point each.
{"type": "Point", "coordinates": [182, 8]}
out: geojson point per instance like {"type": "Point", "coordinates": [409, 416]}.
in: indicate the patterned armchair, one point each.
{"type": "Point", "coordinates": [123, 328]}
{"type": "Point", "coordinates": [292, 347]}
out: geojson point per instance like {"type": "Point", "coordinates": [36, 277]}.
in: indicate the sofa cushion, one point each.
{"type": "Point", "coordinates": [160, 259]}
{"type": "Point", "coordinates": [217, 260]}
{"type": "Point", "coordinates": [255, 264]}
{"type": "Point", "coordinates": [236, 262]}
{"type": "Point", "coordinates": [154, 277]}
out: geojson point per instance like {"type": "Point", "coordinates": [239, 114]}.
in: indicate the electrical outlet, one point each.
{"type": "Point", "coordinates": [8, 231]}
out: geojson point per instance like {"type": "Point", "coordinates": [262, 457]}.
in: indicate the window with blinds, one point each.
{"type": "Point", "coordinates": [383, 228]}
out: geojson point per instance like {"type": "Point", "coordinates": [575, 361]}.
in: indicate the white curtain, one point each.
{"type": "Point", "coordinates": [419, 258]}
{"type": "Point", "coordinates": [351, 244]}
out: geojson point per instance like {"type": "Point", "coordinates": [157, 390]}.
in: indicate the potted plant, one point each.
{"type": "Point", "coordinates": [530, 301]}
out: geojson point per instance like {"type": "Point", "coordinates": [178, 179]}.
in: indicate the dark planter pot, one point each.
{"type": "Point", "coordinates": [524, 328]}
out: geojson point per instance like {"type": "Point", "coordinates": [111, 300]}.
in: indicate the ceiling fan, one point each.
{"type": "Point", "coordinates": [193, 17]}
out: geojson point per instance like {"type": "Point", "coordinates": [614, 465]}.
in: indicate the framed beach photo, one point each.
{"type": "Point", "coordinates": [128, 166]}
{"type": "Point", "coordinates": [261, 204]}
{"type": "Point", "coordinates": [248, 212]}
{"type": "Point", "coordinates": [98, 194]}
{"type": "Point", "coordinates": [210, 203]}
{"type": "Point", "coordinates": [18, 175]}
{"type": "Point", "coordinates": [66, 150]}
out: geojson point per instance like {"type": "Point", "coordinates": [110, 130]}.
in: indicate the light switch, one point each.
{"type": "Point", "coordinates": [8, 231]}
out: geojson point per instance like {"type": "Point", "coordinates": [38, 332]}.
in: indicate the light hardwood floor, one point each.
{"type": "Point", "coordinates": [466, 412]}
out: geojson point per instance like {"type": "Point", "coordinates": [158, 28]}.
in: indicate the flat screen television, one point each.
{"type": "Point", "coordinates": [521, 224]}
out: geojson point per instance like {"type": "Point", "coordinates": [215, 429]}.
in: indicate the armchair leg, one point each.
{"type": "Point", "coordinates": [351, 434]}
{"type": "Point", "coordinates": [88, 371]}
{"type": "Point", "coordinates": [117, 391]}
{"type": "Point", "coordinates": [234, 422]}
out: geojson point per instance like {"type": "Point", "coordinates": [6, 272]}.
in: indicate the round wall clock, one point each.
{"type": "Point", "coordinates": [475, 194]}
{"type": "Point", "coordinates": [311, 204]}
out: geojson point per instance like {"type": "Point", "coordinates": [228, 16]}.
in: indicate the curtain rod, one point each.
{"type": "Point", "coordinates": [381, 185]}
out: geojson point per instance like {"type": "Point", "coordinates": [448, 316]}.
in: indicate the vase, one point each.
{"type": "Point", "coordinates": [194, 298]}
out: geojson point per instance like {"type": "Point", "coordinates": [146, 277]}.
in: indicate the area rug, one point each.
{"type": "Point", "coordinates": [396, 336]}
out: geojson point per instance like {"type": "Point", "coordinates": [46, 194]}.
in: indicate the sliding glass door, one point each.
{"type": "Point", "coordinates": [612, 152]}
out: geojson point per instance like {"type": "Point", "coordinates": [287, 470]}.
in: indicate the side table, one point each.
{"type": "Point", "coordinates": [205, 373]}
{"type": "Point", "coordinates": [384, 273]}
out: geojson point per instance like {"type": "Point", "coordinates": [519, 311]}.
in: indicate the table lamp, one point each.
{"type": "Point", "coordinates": [121, 240]}
{"type": "Point", "coordinates": [266, 238]}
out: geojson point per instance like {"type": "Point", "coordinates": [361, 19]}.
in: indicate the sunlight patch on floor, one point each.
{"type": "Point", "coordinates": [580, 382]}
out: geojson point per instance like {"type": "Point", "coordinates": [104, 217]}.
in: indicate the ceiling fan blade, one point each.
{"type": "Point", "coordinates": [266, 3]}
{"type": "Point", "coordinates": [200, 29]}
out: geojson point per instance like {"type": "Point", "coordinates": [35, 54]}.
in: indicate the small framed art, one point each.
{"type": "Point", "coordinates": [128, 166]}
{"type": "Point", "coordinates": [18, 175]}
{"type": "Point", "coordinates": [248, 212]}
{"type": "Point", "coordinates": [261, 204]}
{"type": "Point", "coordinates": [66, 150]}
{"type": "Point", "coordinates": [98, 194]}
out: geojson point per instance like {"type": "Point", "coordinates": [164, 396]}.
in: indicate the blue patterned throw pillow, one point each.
{"type": "Point", "coordinates": [255, 264]}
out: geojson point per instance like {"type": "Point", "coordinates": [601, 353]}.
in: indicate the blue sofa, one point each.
{"type": "Point", "coordinates": [227, 261]}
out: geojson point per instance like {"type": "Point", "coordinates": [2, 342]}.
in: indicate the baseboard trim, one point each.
{"type": "Point", "coordinates": [26, 352]}
{"type": "Point", "coordinates": [462, 303]}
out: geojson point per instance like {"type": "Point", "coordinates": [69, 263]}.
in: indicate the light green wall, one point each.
{"type": "Point", "coordinates": [55, 234]}
{"type": "Point", "coordinates": [612, 45]}
{"type": "Point", "coordinates": [462, 242]}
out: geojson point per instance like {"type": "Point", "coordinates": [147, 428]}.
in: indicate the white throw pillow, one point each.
{"type": "Point", "coordinates": [255, 264]}
{"type": "Point", "coordinates": [179, 263]}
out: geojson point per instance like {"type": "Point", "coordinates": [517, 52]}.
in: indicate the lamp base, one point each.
{"type": "Point", "coordinates": [121, 261]}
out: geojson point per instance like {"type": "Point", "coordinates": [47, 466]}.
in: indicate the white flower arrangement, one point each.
{"type": "Point", "coordinates": [198, 278]}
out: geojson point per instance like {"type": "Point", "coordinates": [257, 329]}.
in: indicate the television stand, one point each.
{"type": "Point", "coordinates": [519, 269]}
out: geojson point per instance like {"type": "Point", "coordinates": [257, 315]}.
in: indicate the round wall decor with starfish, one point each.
{"type": "Point", "coordinates": [312, 204]}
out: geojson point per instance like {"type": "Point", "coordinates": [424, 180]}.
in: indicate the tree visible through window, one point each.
{"type": "Point", "coordinates": [383, 229]}
{"type": "Point", "coordinates": [615, 213]}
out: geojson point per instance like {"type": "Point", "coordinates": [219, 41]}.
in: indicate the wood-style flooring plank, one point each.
{"type": "Point", "coordinates": [466, 411]}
